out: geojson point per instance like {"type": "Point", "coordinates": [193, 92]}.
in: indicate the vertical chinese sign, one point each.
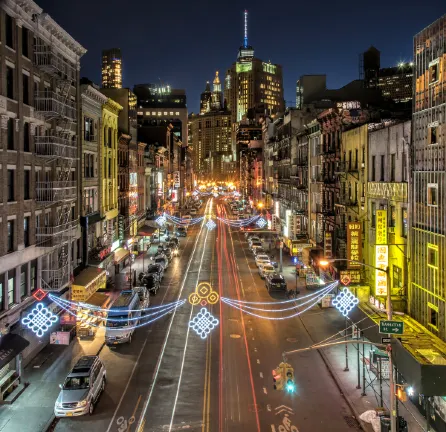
{"type": "Point", "coordinates": [354, 244]}
{"type": "Point", "coordinates": [381, 253]}
{"type": "Point", "coordinates": [328, 245]}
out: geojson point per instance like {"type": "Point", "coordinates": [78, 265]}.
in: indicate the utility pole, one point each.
{"type": "Point", "coordinates": [393, 425]}
{"type": "Point", "coordinates": [281, 252]}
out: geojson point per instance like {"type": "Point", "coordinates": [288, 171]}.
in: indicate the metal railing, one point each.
{"type": "Point", "coordinates": [56, 229]}
{"type": "Point", "coordinates": [52, 104]}
{"type": "Point", "coordinates": [55, 191]}
{"type": "Point", "coordinates": [55, 280]}
{"type": "Point", "coordinates": [54, 146]}
{"type": "Point", "coordinates": [347, 201]}
{"type": "Point", "coordinates": [53, 63]}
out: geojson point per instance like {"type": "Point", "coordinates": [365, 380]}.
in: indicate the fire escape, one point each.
{"type": "Point", "coordinates": [58, 149]}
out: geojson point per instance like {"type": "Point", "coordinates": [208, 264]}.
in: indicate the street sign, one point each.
{"type": "Point", "coordinates": [345, 280]}
{"type": "Point", "coordinates": [385, 340]}
{"type": "Point", "coordinates": [391, 327]}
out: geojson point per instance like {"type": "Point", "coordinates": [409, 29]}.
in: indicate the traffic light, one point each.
{"type": "Point", "coordinates": [401, 392]}
{"type": "Point", "coordinates": [278, 378]}
{"type": "Point", "coordinates": [290, 385]}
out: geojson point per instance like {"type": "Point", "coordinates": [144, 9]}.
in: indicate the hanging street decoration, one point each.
{"type": "Point", "coordinates": [39, 320]}
{"type": "Point", "coordinates": [161, 221]}
{"type": "Point", "coordinates": [203, 295]}
{"type": "Point", "coordinates": [203, 323]}
{"type": "Point", "coordinates": [345, 301]}
{"type": "Point", "coordinates": [39, 294]}
{"type": "Point", "coordinates": [210, 224]}
{"type": "Point", "coordinates": [261, 223]}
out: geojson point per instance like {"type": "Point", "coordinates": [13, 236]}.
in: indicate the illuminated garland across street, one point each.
{"type": "Point", "coordinates": [127, 328]}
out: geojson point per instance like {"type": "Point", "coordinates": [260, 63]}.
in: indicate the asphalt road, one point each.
{"type": "Point", "coordinates": [169, 379]}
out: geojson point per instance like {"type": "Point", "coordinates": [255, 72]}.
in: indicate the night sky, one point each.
{"type": "Point", "coordinates": [183, 43]}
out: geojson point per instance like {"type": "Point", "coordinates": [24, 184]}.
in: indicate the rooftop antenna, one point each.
{"type": "Point", "coordinates": [245, 39]}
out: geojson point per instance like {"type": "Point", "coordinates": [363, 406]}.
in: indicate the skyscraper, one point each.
{"type": "Point", "coordinates": [112, 68]}
{"type": "Point", "coordinates": [250, 82]}
{"type": "Point", "coordinates": [205, 98]}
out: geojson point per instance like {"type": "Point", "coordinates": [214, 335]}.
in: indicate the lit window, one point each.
{"type": "Point", "coordinates": [432, 255]}
{"type": "Point", "coordinates": [432, 135]}
{"type": "Point", "coordinates": [432, 194]}
{"type": "Point", "coordinates": [153, 113]}
{"type": "Point", "coordinates": [159, 113]}
{"type": "Point", "coordinates": [177, 113]}
{"type": "Point", "coordinates": [165, 112]}
{"type": "Point", "coordinates": [434, 76]}
{"type": "Point", "coordinates": [171, 113]}
{"type": "Point", "coordinates": [433, 315]}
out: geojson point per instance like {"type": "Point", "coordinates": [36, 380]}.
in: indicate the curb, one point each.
{"type": "Point", "coordinates": [53, 421]}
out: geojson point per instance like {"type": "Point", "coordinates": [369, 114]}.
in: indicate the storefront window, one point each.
{"type": "Point", "coordinates": [11, 299]}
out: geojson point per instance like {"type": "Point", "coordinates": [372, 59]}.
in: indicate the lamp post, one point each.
{"type": "Point", "coordinates": [326, 262]}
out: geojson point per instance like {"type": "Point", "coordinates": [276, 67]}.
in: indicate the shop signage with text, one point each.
{"type": "Point", "coordinates": [354, 244]}
{"type": "Point", "coordinates": [381, 227]}
{"type": "Point", "coordinates": [328, 245]}
{"type": "Point", "coordinates": [382, 262]}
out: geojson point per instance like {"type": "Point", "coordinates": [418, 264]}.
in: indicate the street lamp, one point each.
{"type": "Point", "coordinates": [325, 263]}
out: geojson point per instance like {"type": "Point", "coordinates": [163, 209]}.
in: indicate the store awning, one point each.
{"type": "Point", "coordinates": [146, 231]}
{"type": "Point", "coordinates": [100, 300]}
{"type": "Point", "coordinates": [87, 283]}
{"type": "Point", "coordinates": [10, 346]}
{"type": "Point", "coordinates": [121, 254]}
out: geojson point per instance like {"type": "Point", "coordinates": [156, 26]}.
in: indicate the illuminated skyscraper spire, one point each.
{"type": "Point", "coordinates": [245, 39]}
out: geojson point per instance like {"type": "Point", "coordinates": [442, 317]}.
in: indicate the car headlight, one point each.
{"type": "Point", "coordinates": [58, 404]}
{"type": "Point", "coordinates": [82, 403]}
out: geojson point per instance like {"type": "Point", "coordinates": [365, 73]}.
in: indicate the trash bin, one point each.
{"type": "Point", "coordinates": [401, 424]}
{"type": "Point", "coordinates": [385, 423]}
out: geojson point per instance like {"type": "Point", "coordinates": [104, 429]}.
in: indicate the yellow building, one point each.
{"type": "Point", "coordinates": [109, 172]}
{"type": "Point", "coordinates": [388, 223]}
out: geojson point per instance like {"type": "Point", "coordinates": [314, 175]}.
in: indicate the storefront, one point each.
{"type": "Point", "coordinates": [105, 260]}
{"type": "Point", "coordinates": [11, 347]}
{"type": "Point", "coordinates": [144, 238]}
{"type": "Point", "coordinates": [121, 259]}
{"type": "Point", "coordinates": [88, 318]}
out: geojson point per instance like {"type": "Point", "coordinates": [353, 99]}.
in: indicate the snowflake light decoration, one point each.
{"type": "Point", "coordinates": [203, 323]}
{"type": "Point", "coordinates": [345, 301]}
{"type": "Point", "coordinates": [261, 222]}
{"type": "Point", "coordinates": [39, 320]}
{"type": "Point", "coordinates": [211, 224]}
{"type": "Point", "coordinates": [161, 221]}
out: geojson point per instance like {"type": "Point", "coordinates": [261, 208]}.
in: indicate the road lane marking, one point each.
{"type": "Point", "coordinates": [258, 361]}
{"type": "Point", "coordinates": [264, 390]}
{"type": "Point", "coordinates": [161, 356]}
{"type": "Point", "coordinates": [205, 387]}
{"type": "Point", "coordinates": [261, 374]}
{"type": "Point", "coordinates": [268, 407]}
{"type": "Point", "coordinates": [132, 418]}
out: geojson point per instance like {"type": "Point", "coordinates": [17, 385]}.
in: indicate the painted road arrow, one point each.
{"type": "Point", "coordinates": [283, 408]}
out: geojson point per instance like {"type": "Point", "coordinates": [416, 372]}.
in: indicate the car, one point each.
{"type": "Point", "coordinates": [253, 239]}
{"type": "Point", "coordinates": [265, 269]}
{"type": "Point", "coordinates": [181, 231]}
{"type": "Point", "coordinates": [152, 282]}
{"type": "Point", "coordinates": [259, 251]}
{"type": "Point", "coordinates": [193, 211]}
{"type": "Point", "coordinates": [156, 269]}
{"type": "Point", "coordinates": [175, 240]}
{"type": "Point", "coordinates": [81, 388]}
{"type": "Point", "coordinates": [162, 260]}
{"type": "Point", "coordinates": [255, 248]}
{"type": "Point", "coordinates": [262, 259]}
{"type": "Point", "coordinates": [186, 218]}
{"type": "Point", "coordinates": [275, 282]}
{"type": "Point", "coordinates": [255, 244]}
{"type": "Point", "coordinates": [169, 253]}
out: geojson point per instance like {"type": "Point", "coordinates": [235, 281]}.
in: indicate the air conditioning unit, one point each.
{"type": "Point", "coordinates": [362, 165]}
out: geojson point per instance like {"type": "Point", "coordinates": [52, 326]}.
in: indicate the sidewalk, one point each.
{"type": "Point", "coordinates": [323, 323]}
{"type": "Point", "coordinates": [32, 411]}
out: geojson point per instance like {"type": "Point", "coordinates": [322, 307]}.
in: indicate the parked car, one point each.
{"type": "Point", "coordinates": [275, 282]}
{"type": "Point", "coordinates": [168, 252]}
{"type": "Point", "coordinates": [181, 231]}
{"type": "Point", "coordinates": [175, 240]}
{"type": "Point", "coordinates": [255, 244]}
{"type": "Point", "coordinates": [162, 260]}
{"type": "Point", "coordinates": [262, 259]}
{"type": "Point", "coordinates": [156, 269]}
{"type": "Point", "coordinates": [255, 248]}
{"type": "Point", "coordinates": [152, 282]}
{"type": "Point", "coordinates": [259, 251]}
{"type": "Point", "coordinates": [81, 388]}
{"type": "Point", "coordinates": [265, 269]}
{"type": "Point", "coordinates": [193, 211]}
{"type": "Point", "coordinates": [253, 239]}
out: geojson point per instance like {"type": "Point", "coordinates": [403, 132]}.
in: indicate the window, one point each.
{"type": "Point", "coordinates": [1, 292]}
{"type": "Point", "coordinates": [9, 82]}
{"type": "Point", "coordinates": [26, 230]}
{"type": "Point", "coordinates": [433, 315]}
{"type": "Point", "coordinates": [26, 137]}
{"type": "Point", "coordinates": [432, 135]}
{"type": "Point", "coordinates": [26, 184]}
{"type": "Point", "coordinates": [432, 195]}
{"type": "Point", "coordinates": [392, 216]}
{"type": "Point", "coordinates": [10, 234]}
{"type": "Point", "coordinates": [88, 129]}
{"type": "Point", "coordinates": [25, 81]}
{"type": "Point", "coordinates": [392, 167]}
{"type": "Point", "coordinates": [33, 275]}
{"type": "Point", "coordinates": [356, 159]}
{"type": "Point", "coordinates": [25, 42]}
{"type": "Point", "coordinates": [11, 194]}
{"type": "Point", "coordinates": [382, 168]}
{"type": "Point", "coordinates": [397, 277]}
{"type": "Point", "coordinates": [9, 31]}
{"type": "Point", "coordinates": [91, 165]}
{"type": "Point", "coordinates": [23, 281]}
{"type": "Point", "coordinates": [373, 213]}
{"type": "Point", "coordinates": [10, 134]}
{"type": "Point", "coordinates": [373, 168]}
{"type": "Point", "coordinates": [404, 222]}
{"type": "Point", "coordinates": [403, 167]}
{"type": "Point", "coordinates": [11, 299]}
{"type": "Point", "coordinates": [109, 144]}
{"type": "Point", "coordinates": [432, 255]}
{"type": "Point", "coordinates": [434, 73]}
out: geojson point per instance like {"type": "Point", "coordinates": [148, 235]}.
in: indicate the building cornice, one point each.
{"type": "Point", "coordinates": [30, 15]}
{"type": "Point", "coordinates": [113, 106]}
{"type": "Point", "coordinates": [91, 93]}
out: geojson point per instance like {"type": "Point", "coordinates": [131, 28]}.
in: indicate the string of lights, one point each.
{"type": "Point", "coordinates": [118, 328]}
{"type": "Point", "coordinates": [326, 291]}
{"type": "Point", "coordinates": [99, 309]}
{"type": "Point", "coordinates": [275, 318]}
{"type": "Point", "coordinates": [179, 221]}
{"type": "Point", "coordinates": [318, 292]}
{"type": "Point", "coordinates": [146, 315]}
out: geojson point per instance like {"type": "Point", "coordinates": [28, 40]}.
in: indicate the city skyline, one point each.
{"type": "Point", "coordinates": [311, 56]}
